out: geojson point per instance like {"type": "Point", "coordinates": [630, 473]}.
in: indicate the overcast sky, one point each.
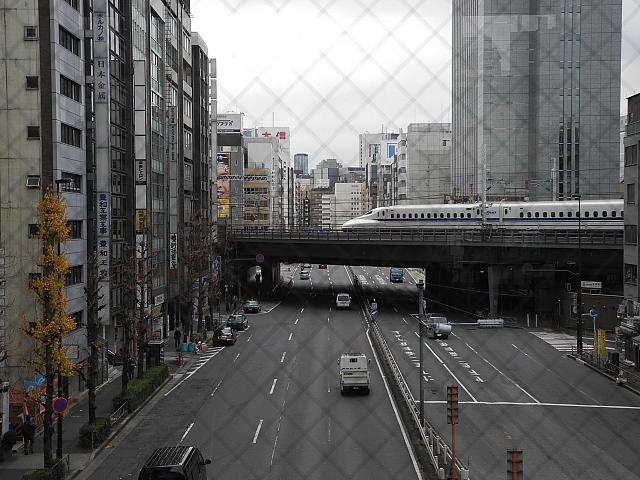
{"type": "Point", "coordinates": [331, 69]}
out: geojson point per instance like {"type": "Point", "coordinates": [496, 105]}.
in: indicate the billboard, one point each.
{"type": "Point", "coordinates": [229, 122]}
{"type": "Point", "coordinates": [223, 160]}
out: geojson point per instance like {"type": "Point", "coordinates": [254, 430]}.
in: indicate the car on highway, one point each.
{"type": "Point", "coordinates": [437, 325]}
{"type": "Point", "coordinates": [251, 306]}
{"type": "Point", "coordinates": [225, 336]}
{"type": "Point", "coordinates": [175, 463]}
{"type": "Point", "coordinates": [322, 266]}
{"type": "Point", "coordinates": [305, 275]}
{"type": "Point", "coordinates": [343, 300]}
{"type": "Point", "coordinates": [238, 321]}
{"type": "Point", "coordinates": [306, 265]}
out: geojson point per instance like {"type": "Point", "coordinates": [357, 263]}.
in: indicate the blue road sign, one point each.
{"type": "Point", "coordinates": [259, 258]}
{"type": "Point", "coordinates": [59, 404]}
{"type": "Point", "coordinates": [593, 312]}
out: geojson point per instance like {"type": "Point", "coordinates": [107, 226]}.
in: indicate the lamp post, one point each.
{"type": "Point", "coordinates": [58, 182]}
{"type": "Point", "coordinates": [579, 277]}
{"type": "Point", "coordinates": [420, 286]}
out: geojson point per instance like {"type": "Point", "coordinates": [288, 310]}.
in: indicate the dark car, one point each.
{"type": "Point", "coordinates": [225, 336]}
{"type": "Point", "coordinates": [322, 266]}
{"type": "Point", "coordinates": [237, 321]}
{"type": "Point", "coordinates": [251, 306]}
{"type": "Point", "coordinates": [175, 463]}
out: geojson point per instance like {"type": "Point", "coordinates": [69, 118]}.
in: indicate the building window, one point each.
{"type": "Point", "coordinates": [74, 4]}
{"type": "Point", "coordinates": [33, 230]}
{"type": "Point", "coordinates": [631, 194]}
{"type": "Point", "coordinates": [188, 172]}
{"type": "Point", "coordinates": [30, 32]}
{"type": "Point", "coordinates": [74, 185]}
{"type": "Point", "coordinates": [187, 107]}
{"type": "Point", "coordinates": [33, 132]}
{"type": "Point", "coordinates": [630, 273]}
{"type": "Point", "coordinates": [33, 82]}
{"type": "Point", "coordinates": [70, 135]}
{"type": "Point", "coordinates": [33, 181]}
{"type": "Point", "coordinates": [69, 88]}
{"type": "Point", "coordinates": [74, 276]}
{"type": "Point", "coordinates": [69, 41]}
{"type": "Point", "coordinates": [631, 155]}
{"type": "Point", "coordinates": [186, 42]}
{"type": "Point", "coordinates": [75, 229]}
{"type": "Point", "coordinates": [188, 139]}
{"type": "Point", "coordinates": [78, 319]}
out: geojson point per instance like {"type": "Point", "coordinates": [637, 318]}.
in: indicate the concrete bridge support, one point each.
{"type": "Point", "coordinates": [494, 277]}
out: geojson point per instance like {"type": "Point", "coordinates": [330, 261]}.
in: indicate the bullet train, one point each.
{"type": "Point", "coordinates": [590, 214]}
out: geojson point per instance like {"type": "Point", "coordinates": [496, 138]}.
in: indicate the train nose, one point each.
{"type": "Point", "coordinates": [349, 224]}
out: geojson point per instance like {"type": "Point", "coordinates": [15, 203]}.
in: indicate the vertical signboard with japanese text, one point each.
{"type": "Point", "coordinates": [223, 160]}
{"type": "Point", "coordinates": [102, 152]}
{"type": "Point", "coordinates": [173, 255]}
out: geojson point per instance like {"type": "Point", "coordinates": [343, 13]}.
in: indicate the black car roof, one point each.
{"type": "Point", "coordinates": [169, 456]}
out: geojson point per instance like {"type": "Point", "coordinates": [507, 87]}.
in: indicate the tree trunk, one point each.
{"type": "Point", "coordinates": [142, 335]}
{"type": "Point", "coordinates": [125, 358]}
{"type": "Point", "coordinates": [48, 409]}
{"type": "Point", "coordinates": [93, 371]}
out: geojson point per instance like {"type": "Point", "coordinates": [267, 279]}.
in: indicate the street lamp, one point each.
{"type": "Point", "coordinates": [58, 182]}
{"type": "Point", "coordinates": [579, 277]}
{"type": "Point", "coordinates": [420, 286]}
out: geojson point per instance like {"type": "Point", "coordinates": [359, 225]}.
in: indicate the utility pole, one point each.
{"type": "Point", "coordinates": [420, 286]}
{"type": "Point", "coordinates": [452, 418]}
{"type": "Point", "coordinates": [579, 277]}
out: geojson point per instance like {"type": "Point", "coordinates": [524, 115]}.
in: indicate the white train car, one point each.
{"type": "Point", "coordinates": [590, 214]}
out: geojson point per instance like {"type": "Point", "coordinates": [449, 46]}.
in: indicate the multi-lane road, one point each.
{"type": "Point", "coordinates": [270, 407]}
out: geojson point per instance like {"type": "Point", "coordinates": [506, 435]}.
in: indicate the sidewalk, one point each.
{"type": "Point", "coordinates": [17, 464]}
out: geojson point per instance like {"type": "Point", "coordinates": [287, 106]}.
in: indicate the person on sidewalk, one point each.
{"type": "Point", "coordinates": [28, 432]}
{"type": "Point", "coordinates": [177, 335]}
{"type": "Point", "coordinates": [8, 441]}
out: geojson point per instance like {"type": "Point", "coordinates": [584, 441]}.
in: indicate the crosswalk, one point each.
{"type": "Point", "coordinates": [202, 359]}
{"type": "Point", "coordinates": [564, 342]}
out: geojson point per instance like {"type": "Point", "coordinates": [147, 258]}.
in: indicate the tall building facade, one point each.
{"type": "Point", "coordinates": [427, 163]}
{"type": "Point", "coordinates": [376, 146]}
{"type": "Point", "coordinates": [536, 88]}
{"type": "Point", "coordinates": [301, 163]}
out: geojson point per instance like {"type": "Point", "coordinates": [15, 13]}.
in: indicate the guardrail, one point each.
{"type": "Point", "coordinates": [116, 416]}
{"type": "Point", "coordinates": [453, 236]}
{"type": "Point", "coordinates": [430, 439]}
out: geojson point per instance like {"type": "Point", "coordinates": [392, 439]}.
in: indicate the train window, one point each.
{"type": "Point", "coordinates": [392, 215]}
{"type": "Point", "coordinates": [442, 215]}
{"type": "Point", "coordinates": [528, 214]}
{"type": "Point", "coordinates": [537, 214]}
{"type": "Point", "coordinates": [428, 215]}
{"type": "Point", "coordinates": [477, 211]}
{"type": "Point", "coordinates": [553, 214]}
{"type": "Point", "coordinates": [586, 214]}
{"type": "Point", "coordinates": [383, 213]}
{"type": "Point", "coordinates": [455, 215]}
{"type": "Point", "coordinates": [595, 214]}
{"type": "Point", "coordinates": [409, 215]}
{"type": "Point", "coordinates": [561, 214]}
{"type": "Point", "coordinates": [604, 213]}
{"type": "Point", "coordinates": [521, 215]}
{"type": "Point", "coordinates": [613, 214]}
{"type": "Point", "coordinates": [404, 215]}
{"type": "Point", "coordinates": [622, 214]}
{"type": "Point", "coordinates": [569, 214]}
{"type": "Point", "coordinates": [468, 215]}
{"type": "Point", "coordinates": [422, 215]}
{"type": "Point", "coordinates": [505, 211]}
{"type": "Point", "coordinates": [544, 214]}
{"type": "Point", "coordinates": [448, 215]}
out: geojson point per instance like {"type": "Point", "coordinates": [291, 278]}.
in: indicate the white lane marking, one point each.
{"type": "Point", "coordinates": [205, 358]}
{"type": "Point", "coordinates": [249, 337]}
{"type": "Point", "coordinates": [234, 360]}
{"type": "Point", "coordinates": [327, 319]}
{"type": "Point", "coordinates": [284, 354]}
{"type": "Point", "coordinates": [348, 276]}
{"type": "Point", "coordinates": [450, 372]}
{"type": "Point", "coordinates": [290, 335]}
{"type": "Point", "coordinates": [296, 322]}
{"type": "Point", "coordinates": [498, 370]}
{"type": "Point", "coordinates": [405, 320]}
{"type": "Point", "coordinates": [395, 410]}
{"type": "Point", "coordinates": [394, 308]}
{"type": "Point", "coordinates": [273, 385]}
{"type": "Point", "coordinates": [275, 443]}
{"type": "Point", "coordinates": [186, 433]}
{"type": "Point", "coordinates": [302, 310]}
{"type": "Point", "coordinates": [543, 404]}
{"type": "Point", "coordinates": [329, 430]}
{"type": "Point", "coordinates": [216, 389]}
{"type": "Point", "coordinates": [329, 309]}
{"type": "Point", "coordinates": [255, 437]}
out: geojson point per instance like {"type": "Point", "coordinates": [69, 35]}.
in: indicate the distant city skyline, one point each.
{"type": "Point", "coordinates": [331, 74]}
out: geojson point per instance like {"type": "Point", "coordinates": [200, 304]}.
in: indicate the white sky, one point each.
{"type": "Point", "coordinates": [331, 69]}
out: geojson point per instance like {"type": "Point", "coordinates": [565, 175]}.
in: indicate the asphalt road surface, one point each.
{"type": "Point", "coordinates": [516, 390]}
{"type": "Point", "coordinates": [270, 406]}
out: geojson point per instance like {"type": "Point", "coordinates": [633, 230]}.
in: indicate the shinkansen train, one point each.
{"type": "Point", "coordinates": [590, 214]}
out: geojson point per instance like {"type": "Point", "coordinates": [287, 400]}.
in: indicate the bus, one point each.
{"type": "Point", "coordinates": [396, 275]}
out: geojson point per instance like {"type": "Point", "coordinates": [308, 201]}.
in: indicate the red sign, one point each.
{"type": "Point", "coordinates": [59, 404]}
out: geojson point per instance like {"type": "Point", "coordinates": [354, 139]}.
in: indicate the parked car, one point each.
{"type": "Point", "coordinates": [322, 266]}
{"type": "Point", "coordinates": [251, 306]}
{"type": "Point", "coordinates": [237, 321]}
{"type": "Point", "coordinates": [225, 336]}
{"type": "Point", "coordinates": [305, 275]}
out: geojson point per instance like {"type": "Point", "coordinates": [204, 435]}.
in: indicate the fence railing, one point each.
{"type": "Point", "coordinates": [606, 238]}
{"type": "Point", "coordinates": [430, 439]}
{"type": "Point", "coordinates": [116, 416]}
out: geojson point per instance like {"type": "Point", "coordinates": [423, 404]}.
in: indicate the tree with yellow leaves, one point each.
{"type": "Point", "coordinates": [49, 356]}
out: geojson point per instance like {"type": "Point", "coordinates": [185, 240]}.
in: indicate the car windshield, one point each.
{"type": "Point", "coordinates": [343, 297]}
{"type": "Point", "coordinates": [236, 319]}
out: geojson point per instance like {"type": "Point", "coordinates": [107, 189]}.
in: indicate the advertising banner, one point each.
{"type": "Point", "coordinates": [223, 160]}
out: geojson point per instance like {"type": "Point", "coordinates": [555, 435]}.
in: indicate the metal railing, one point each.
{"type": "Point", "coordinates": [430, 439]}
{"type": "Point", "coordinates": [452, 236]}
{"type": "Point", "coordinates": [116, 416]}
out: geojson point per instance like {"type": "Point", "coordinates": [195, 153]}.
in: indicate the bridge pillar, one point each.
{"type": "Point", "coordinates": [270, 277]}
{"type": "Point", "coordinates": [495, 273]}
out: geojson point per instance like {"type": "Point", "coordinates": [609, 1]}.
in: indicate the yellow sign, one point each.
{"type": "Point", "coordinates": [141, 220]}
{"type": "Point", "coordinates": [602, 341]}
{"type": "Point", "coordinates": [223, 208]}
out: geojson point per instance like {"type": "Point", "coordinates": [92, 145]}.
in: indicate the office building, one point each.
{"type": "Point", "coordinates": [301, 163]}
{"type": "Point", "coordinates": [326, 173]}
{"type": "Point", "coordinates": [427, 164]}
{"type": "Point", "coordinates": [536, 88]}
{"type": "Point", "coordinates": [376, 146]}
{"type": "Point", "coordinates": [629, 329]}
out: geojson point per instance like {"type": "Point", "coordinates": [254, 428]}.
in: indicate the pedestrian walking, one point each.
{"type": "Point", "coordinates": [177, 335]}
{"type": "Point", "coordinates": [28, 432]}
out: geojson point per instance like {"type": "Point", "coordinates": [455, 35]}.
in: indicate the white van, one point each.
{"type": "Point", "coordinates": [343, 300]}
{"type": "Point", "coordinates": [354, 373]}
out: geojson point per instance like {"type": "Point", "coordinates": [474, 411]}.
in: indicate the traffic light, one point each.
{"type": "Point", "coordinates": [452, 404]}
